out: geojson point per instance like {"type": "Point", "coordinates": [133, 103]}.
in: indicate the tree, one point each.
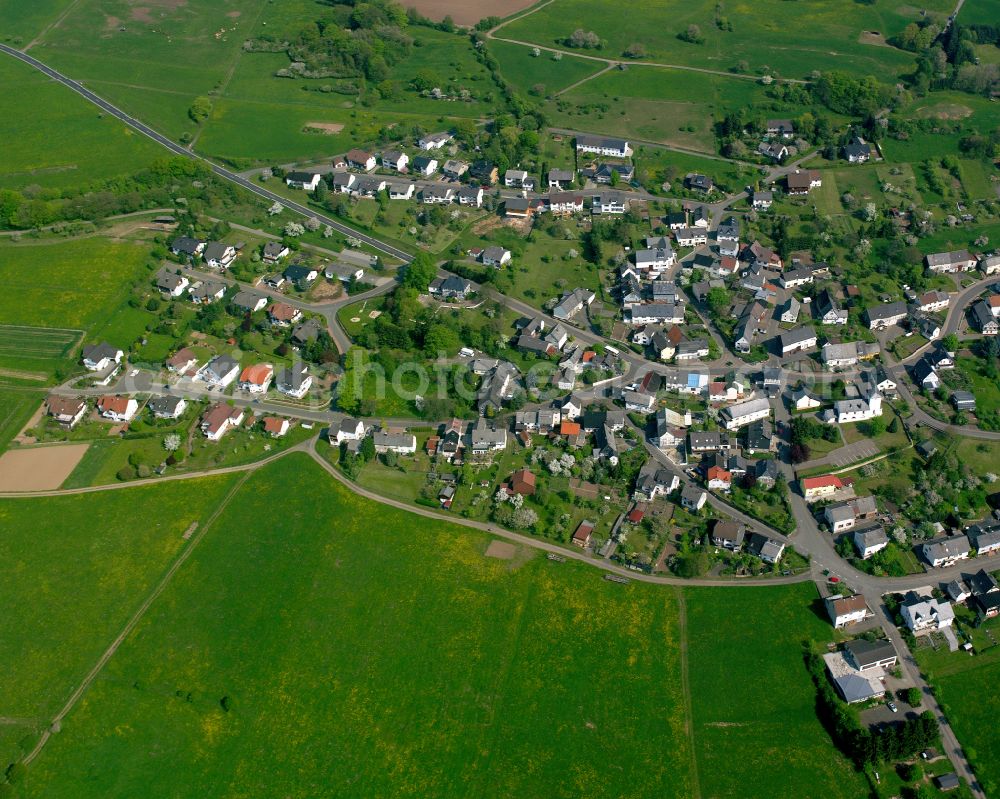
{"type": "Point", "coordinates": [200, 109]}
{"type": "Point", "coordinates": [693, 564]}
{"type": "Point", "coordinates": [692, 34]}
{"type": "Point", "coordinates": [950, 343]}
{"type": "Point", "coordinates": [635, 50]}
{"type": "Point", "coordinates": [172, 442]}
{"type": "Point", "coordinates": [321, 191]}
{"type": "Point", "coordinates": [420, 272]}
{"type": "Point", "coordinates": [914, 697]}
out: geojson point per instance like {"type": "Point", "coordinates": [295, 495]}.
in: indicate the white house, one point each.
{"type": "Point", "coordinates": [256, 379]}
{"type": "Point", "coordinates": [954, 261]}
{"type": "Point", "coordinates": [744, 413]}
{"type": "Point", "coordinates": [168, 407]}
{"type": "Point", "coordinates": [295, 381]}
{"type": "Point", "coordinates": [943, 552]}
{"type": "Point", "coordinates": [219, 419]}
{"type": "Point", "coordinates": [172, 285]}
{"type": "Point", "coordinates": [219, 255]}
{"type": "Point", "coordinates": [98, 357]}
{"type": "Point", "coordinates": [870, 541]}
{"type": "Point", "coordinates": [220, 371]}
{"type": "Point", "coordinates": [117, 408]}
{"type": "Point", "coordinates": [925, 613]}
{"type": "Point", "coordinates": [348, 430]}
{"type": "Point", "coordinates": [846, 610]}
{"type": "Point", "coordinates": [400, 443]}
{"type": "Point", "coordinates": [433, 141]}
{"type": "Point", "coordinates": [395, 160]}
{"type": "Point", "coordinates": [797, 340]}
{"type": "Point", "coordinates": [303, 180]}
{"type": "Point", "coordinates": [601, 145]}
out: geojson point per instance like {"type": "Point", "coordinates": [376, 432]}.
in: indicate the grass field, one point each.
{"type": "Point", "coordinates": [22, 21]}
{"type": "Point", "coordinates": [792, 39]}
{"type": "Point", "coordinates": [524, 70]}
{"type": "Point", "coordinates": [339, 630]}
{"type": "Point", "coordinates": [973, 719]}
{"type": "Point", "coordinates": [435, 671]}
{"type": "Point", "coordinates": [755, 726]}
{"type": "Point", "coordinates": [75, 581]}
{"type": "Point", "coordinates": [53, 138]}
{"type": "Point", "coordinates": [65, 287]}
{"type": "Point", "coordinates": [658, 105]}
{"type": "Point", "coordinates": [16, 407]}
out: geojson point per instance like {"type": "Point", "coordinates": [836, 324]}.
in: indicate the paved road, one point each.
{"type": "Point", "coordinates": [222, 172]}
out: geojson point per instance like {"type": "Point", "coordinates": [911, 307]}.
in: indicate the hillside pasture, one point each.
{"type": "Point", "coordinates": [53, 138]}
{"type": "Point", "coordinates": [791, 39]}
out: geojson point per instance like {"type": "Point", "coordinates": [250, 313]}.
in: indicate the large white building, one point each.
{"type": "Point", "coordinates": [744, 413]}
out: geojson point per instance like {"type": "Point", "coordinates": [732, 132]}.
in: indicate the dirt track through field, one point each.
{"type": "Point", "coordinates": [136, 618]}
{"type": "Point", "coordinates": [39, 468]}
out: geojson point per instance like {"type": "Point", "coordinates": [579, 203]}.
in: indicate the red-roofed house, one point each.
{"type": "Point", "coordinates": [522, 482]}
{"type": "Point", "coordinates": [275, 426]}
{"type": "Point", "coordinates": [283, 314]}
{"type": "Point", "coordinates": [117, 408]}
{"type": "Point", "coordinates": [567, 428]}
{"type": "Point", "coordinates": [257, 378]}
{"type": "Point", "coordinates": [220, 418]}
{"type": "Point", "coordinates": [582, 535]}
{"type": "Point", "coordinates": [822, 486]}
{"type": "Point", "coordinates": [719, 478]}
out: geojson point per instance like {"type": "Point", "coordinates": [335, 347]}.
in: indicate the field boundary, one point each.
{"type": "Point", "coordinates": [686, 688]}
{"type": "Point", "coordinates": [87, 681]}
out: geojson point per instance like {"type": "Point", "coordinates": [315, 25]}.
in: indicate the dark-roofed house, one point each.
{"type": "Point", "coordinates": [167, 407]}
{"type": "Point", "coordinates": [98, 357]}
{"type": "Point", "coordinates": [249, 301]}
{"type": "Point", "coordinates": [187, 246]}
{"type": "Point", "coordinates": [693, 498]}
{"type": "Point", "coordinates": [984, 320]}
{"type": "Point", "coordinates": [797, 340]}
{"type": "Point", "coordinates": [602, 145]}
{"type": "Point", "coordinates": [879, 317]}
{"type": "Point", "coordinates": [219, 255]}
{"type": "Point", "coordinates": [857, 151]}
{"type": "Point", "coordinates": [728, 534]}
{"type": "Point", "coordinates": [865, 655]}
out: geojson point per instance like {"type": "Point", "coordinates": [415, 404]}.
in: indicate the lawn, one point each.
{"type": "Point", "coordinates": [417, 665]}
{"type": "Point", "coordinates": [789, 39]}
{"type": "Point", "coordinates": [76, 568]}
{"type": "Point", "coordinates": [754, 706]}
{"type": "Point", "coordinates": [53, 138]}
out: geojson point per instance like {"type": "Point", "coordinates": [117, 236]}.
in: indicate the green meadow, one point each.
{"type": "Point", "coordinates": [791, 39]}
{"type": "Point", "coordinates": [21, 21]}
{"type": "Point", "coordinates": [58, 291]}
{"type": "Point", "coordinates": [318, 644]}
{"type": "Point", "coordinates": [655, 104]}
{"type": "Point", "coordinates": [53, 138]}
{"type": "Point", "coordinates": [524, 70]}
{"type": "Point", "coordinates": [76, 567]}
